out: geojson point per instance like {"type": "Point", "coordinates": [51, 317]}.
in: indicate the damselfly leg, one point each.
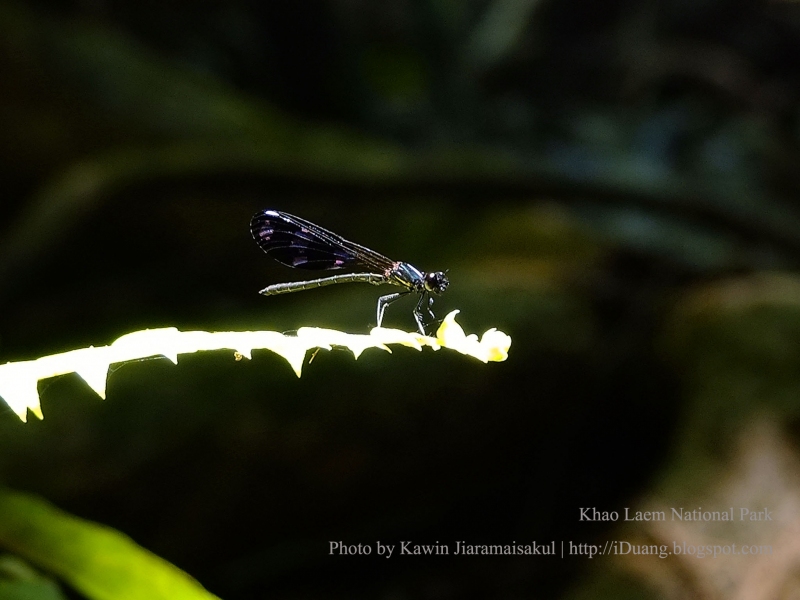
{"type": "Point", "coordinates": [385, 301]}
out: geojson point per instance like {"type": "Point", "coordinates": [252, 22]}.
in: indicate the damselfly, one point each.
{"type": "Point", "coordinates": [300, 244]}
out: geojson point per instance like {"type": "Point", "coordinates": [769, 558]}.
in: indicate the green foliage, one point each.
{"type": "Point", "coordinates": [19, 581]}
{"type": "Point", "coordinates": [98, 561]}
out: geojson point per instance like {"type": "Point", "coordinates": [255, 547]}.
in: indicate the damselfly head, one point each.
{"type": "Point", "coordinates": [436, 282]}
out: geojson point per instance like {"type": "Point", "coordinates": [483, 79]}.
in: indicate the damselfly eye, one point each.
{"type": "Point", "coordinates": [436, 282]}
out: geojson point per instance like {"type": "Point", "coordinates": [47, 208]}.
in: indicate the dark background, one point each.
{"type": "Point", "coordinates": [584, 170]}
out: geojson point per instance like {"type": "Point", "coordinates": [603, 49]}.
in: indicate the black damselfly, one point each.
{"type": "Point", "coordinates": [297, 243]}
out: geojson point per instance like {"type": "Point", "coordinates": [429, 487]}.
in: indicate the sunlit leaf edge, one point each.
{"type": "Point", "coordinates": [19, 380]}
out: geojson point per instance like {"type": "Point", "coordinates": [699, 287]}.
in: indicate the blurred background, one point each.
{"type": "Point", "coordinates": [614, 184]}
